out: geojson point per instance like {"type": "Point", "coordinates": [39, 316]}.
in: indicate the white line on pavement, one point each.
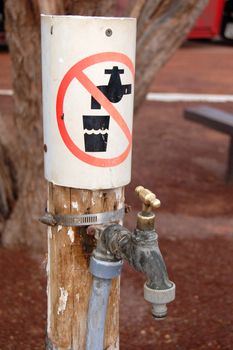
{"type": "Point", "coordinates": [167, 97]}
{"type": "Point", "coordinates": [6, 92]}
{"type": "Point", "coordinates": [185, 97]}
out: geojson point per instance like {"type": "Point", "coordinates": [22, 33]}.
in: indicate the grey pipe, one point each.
{"type": "Point", "coordinates": [103, 272]}
{"type": "Point", "coordinates": [97, 313]}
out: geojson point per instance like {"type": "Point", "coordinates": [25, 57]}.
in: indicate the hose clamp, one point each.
{"type": "Point", "coordinates": [105, 269]}
{"type": "Point", "coordinates": [83, 220]}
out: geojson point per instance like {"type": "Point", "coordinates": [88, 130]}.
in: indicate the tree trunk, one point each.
{"type": "Point", "coordinates": [162, 26]}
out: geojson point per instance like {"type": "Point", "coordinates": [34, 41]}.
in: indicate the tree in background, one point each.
{"type": "Point", "coordinates": [162, 27]}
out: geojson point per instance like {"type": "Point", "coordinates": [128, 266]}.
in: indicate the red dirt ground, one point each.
{"type": "Point", "coordinates": [185, 165]}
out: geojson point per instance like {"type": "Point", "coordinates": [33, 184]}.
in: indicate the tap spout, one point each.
{"type": "Point", "coordinates": [140, 249]}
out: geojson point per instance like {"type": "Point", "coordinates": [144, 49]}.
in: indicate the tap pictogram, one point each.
{"type": "Point", "coordinates": [96, 126]}
{"type": "Point", "coordinates": [114, 91]}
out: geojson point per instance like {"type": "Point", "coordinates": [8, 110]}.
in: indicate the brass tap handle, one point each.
{"type": "Point", "coordinates": [148, 198]}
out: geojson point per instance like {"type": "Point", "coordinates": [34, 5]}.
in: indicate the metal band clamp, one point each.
{"type": "Point", "coordinates": [83, 220]}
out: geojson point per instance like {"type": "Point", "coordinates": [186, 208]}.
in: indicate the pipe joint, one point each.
{"type": "Point", "coordinates": [105, 269]}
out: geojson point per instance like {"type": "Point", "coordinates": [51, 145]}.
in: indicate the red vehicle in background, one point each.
{"type": "Point", "coordinates": [2, 34]}
{"type": "Point", "coordinates": [215, 21]}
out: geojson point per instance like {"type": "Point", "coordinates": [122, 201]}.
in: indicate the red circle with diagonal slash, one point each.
{"type": "Point", "coordinates": [77, 72]}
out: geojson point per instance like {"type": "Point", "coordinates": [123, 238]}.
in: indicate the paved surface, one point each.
{"type": "Point", "coordinates": [184, 164]}
{"type": "Point", "coordinates": [198, 67]}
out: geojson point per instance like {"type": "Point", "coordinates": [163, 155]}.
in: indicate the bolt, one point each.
{"type": "Point", "coordinates": [45, 148]}
{"type": "Point", "coordinates": [91, 230]}
{"type": "Point", "coordinates": [108, 32]}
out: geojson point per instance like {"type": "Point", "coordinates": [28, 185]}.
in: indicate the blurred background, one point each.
{"type": "Point", "coordinates": [187, 163]}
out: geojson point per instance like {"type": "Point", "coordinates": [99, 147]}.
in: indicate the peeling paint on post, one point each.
{"type": "Point", "coordinates": [71, 234]}
{"type": "Point", "coordinates": [62, 301]}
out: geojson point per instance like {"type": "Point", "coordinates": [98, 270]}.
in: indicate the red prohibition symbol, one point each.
{"type": "Point", "coordinates": [77, 72]}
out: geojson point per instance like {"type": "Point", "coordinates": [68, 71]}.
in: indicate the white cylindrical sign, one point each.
{"type": "Point", "coordinates": [88, 88]}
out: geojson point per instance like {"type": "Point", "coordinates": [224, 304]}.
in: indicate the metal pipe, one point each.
{"type": "Point", "coordinates": [97, 313]}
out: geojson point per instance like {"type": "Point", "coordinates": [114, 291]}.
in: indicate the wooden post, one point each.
{"type": "Point", "coordinates": [69, 281]}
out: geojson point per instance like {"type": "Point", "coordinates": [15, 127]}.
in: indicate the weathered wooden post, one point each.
{"type": "Point", "coordinates": [88, 86]}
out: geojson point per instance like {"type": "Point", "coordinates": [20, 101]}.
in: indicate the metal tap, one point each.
{"type": "Point", "coordinates": [140, 249]}
{"type": "Point", "coordinates": [158, 289]}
